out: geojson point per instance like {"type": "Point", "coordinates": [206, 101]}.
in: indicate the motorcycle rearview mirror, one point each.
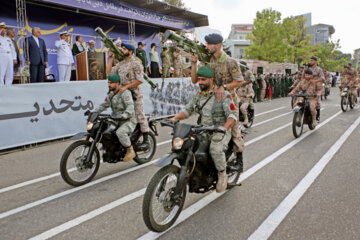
{"type": "Point", "coordinates": [87, 113]}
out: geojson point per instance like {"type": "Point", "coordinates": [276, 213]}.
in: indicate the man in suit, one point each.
{"type": "Point", "coordinates": [64, 57]}
{"type": "Point", "coordinates": [79, 46]}
{"type": "Point", "coordinates": [36, 56]}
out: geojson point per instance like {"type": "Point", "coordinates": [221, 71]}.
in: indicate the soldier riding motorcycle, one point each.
{"type": "Point", "coordinates": [246, 105]}
{"type": "Point", "coordinates": [118, 133]}
{"type": "Point", "coordinates": [203, 151]}
{"type": "Point", "coordinates": [305, 107]}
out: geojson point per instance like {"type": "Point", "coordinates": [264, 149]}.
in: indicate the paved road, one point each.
{"type": "Point", "coordinates": [305, 188]}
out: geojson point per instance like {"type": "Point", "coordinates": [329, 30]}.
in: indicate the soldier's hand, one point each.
{"type": "Point", "coordinates": [194, 58]}
{"type": "Point", "coordinates": [111, 55]}
{"type": "Point", "coordinates": [219, 93]}
{"type": "Point", "coordinates": [122, 89]}
{"type": "Point", "coordinates": [172, 119]}
{"type": "Point", "coordinates": [27, 62]}
{"type": "Point", "coordinates": [15, 62]}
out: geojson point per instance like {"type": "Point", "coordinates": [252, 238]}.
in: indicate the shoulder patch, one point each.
{"type": "Point", "coordinates": [106, 99]}
{"type": "Point", "coordinates": [234, 69]}
{"type": "Point", "coordinates": [229, 97]}
{"type": "Point", "coordinates": [232, 107]}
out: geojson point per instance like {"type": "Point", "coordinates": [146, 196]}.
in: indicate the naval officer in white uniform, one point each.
{"type": "Point", "coordinates": [7, 57]}
{"type": "Point", "coordinates": [64, 57]}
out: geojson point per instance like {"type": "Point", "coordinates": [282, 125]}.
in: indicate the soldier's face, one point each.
{"type": "Point", "coordinates": [125, 51]}
{"type": "Point", "coordinates": [204, 83]}
{"type": "Point", "coordinates": [312, 62]}
{"type": "Point", "coordinates": [308, 76]}
{"type": "Point", "coordinates": [212, 48]}
{"type": "Point", "coordinates": [113, 86]}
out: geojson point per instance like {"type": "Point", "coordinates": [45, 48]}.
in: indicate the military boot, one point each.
{"type": "Point", "coordinates": [318, 115]}
{"type": "Point", "coordinates": [130, 154]}
{"type": "Point", "coordinates": [221, 184]}
{"type": "Point", "coordinates": [246, 120]}
{"type": "Point", "coordinates": [239, 166]}
{"type": "Point", "coordinates": [145, 144]}
{"type": "Point", "coordinates": [314, 122]}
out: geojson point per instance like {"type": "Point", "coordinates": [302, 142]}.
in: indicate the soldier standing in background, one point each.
{"type": "Point", "coordinates": [260, 87]}
{"type": "Point", "coordinates": [263, 90]}
{"type": "Point", "coordinates": [141, 54]}
{"type": "Point", "coordinates": [132, 75]}
{"type": "Point", "coordinates": [11, 34]}
{"type": "Point", "coordinates": [177, 63]}
{"type": "Point", "coordinates": [255, 87]}
{"type": "Point", "coordinates": [166, 63]}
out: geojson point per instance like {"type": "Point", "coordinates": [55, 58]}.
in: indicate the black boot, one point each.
{"type": "Point", "coordinates": [145, 144]}
{"type": "Point", "coordinates": [239, 163]}
{"type": "Point", "coordinates": [318, 115]}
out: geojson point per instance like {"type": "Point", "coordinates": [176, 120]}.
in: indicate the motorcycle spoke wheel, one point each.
{"type": "Point", "coordinates": [298, 123]}
{"type": "Point", "coordinates": [73, 166]}
{"type": "Point", "coordinates": [146, 156]}
{"type": "Point", "coordinates": [233, 177]}
{"type": "Point", "coordinates": [159, 210]}
{"type": "Point", "coordinates": [344, 103]}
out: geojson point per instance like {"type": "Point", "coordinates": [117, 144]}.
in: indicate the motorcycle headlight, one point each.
{"type": "Point", "coordinates": [301, 100]}
{"type": "Point", "coordinates": [177, 143]}
{"type": "Point", "coordinates": [89, 126]}
{"type": "Point", "coordinates": [345, 89]}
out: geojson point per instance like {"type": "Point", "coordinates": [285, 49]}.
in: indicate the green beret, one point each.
{"type": "Point", "coordinates": [114, 78]}
{"type": "Point", "coordinates": [205, 71]}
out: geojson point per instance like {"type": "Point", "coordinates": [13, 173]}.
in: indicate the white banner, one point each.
{"type": "Point", "coordinates": [32, 113]}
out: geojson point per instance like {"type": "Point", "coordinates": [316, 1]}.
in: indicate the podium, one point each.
{"type": "Point", "coordinates": [90, 66]}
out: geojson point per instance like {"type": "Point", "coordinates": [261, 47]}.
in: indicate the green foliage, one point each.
{"type": "Point", "coordinates": [286, 40]}
{"type": "Point", "coordinates": [267, 39]}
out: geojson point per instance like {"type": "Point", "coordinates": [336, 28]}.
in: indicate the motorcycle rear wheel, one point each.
{"type": "Point", "coordinates": [159, 211]}
{"type": "Point", "coordinates": [344, 103]}
{"type": "Point", "coordinates": [70, 168]}
{"type": "Point", "coordinates": [298, 120]}
{"type": "Point", "coordinates": [146, 156]}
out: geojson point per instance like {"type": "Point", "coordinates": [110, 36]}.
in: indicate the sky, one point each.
{"type": "Point", "coordinates": [343, 15]}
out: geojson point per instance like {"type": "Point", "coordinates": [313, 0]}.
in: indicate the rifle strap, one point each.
{"type": "Point", "coordinates": [201, 107]}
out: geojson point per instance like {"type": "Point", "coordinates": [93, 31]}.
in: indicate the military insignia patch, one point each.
{"type": "Point", "coordinates": [106, 99]}
{"type": "Point", "coordinates": [229, 97]}
{"type": "Point", "coordinates": [234, 70]}
{"type": "Point", "coordinates": [232, 107]}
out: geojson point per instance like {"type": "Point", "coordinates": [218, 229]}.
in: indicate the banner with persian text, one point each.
{"type": "Point", "coordinates": [31, 113]}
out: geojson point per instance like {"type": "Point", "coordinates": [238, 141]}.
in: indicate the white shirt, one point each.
{"type": "Point", "coordinates": [64, 54]}
{"type": "Point", "coordinates": [36, 40]}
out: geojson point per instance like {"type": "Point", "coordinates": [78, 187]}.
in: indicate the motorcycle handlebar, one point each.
{"type": "Point", "coordinates": [209, 129]}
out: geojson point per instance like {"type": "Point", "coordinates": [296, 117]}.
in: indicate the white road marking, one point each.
{"type": "Point", "coordinates": [67, 225]}
{"type": "Point", "coordinates": [26, 183]}
{"type": "Point", "coordinates": [88, 216]}
{"type": "Point", "coordinates": [273, 110]}
{"type": "Point", "coordinates": [191, 210]}
{"type": "Point", "coordinates": [265, 230]}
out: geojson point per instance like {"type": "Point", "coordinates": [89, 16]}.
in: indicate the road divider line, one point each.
{"type": "Point", "coordinates": [187, 212]}
{"type": "Point", "coordinates": [273, 110]}
{"type": "Point", "coordinates": [88, 216]}
{"type": "Point", "coordinates": [191, 210]}
{"type": "Point", "coordinates": [26, 183]}
{"type": "Point", "coordinates": [265, 230]}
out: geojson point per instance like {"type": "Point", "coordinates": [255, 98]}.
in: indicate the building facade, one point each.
{"type": "Point", "coordinates": [237, 42]}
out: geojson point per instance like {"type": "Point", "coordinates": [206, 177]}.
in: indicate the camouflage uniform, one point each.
{"type": "Point", "coordinates": [308, 87]}
{"type": "Point", "coordinates": [263, 90]}
{"type": "Point", "coordinates": [166, 64]}
{"type": "Point", "coordinates": [350, 79]}
{"type": "Point", "coordinates": [177, 64]}
{"type": "Point", "coordinates": [214, 113]}
{"type": "Point", "coordinates": [249, 76]}
{"type": "Point", "coordinates": [226, 70]}
{"type": "Point", "coordinates": [130, 70]}
{"type": "Point", "coordinates": [122, 105]}
{"type": "Point", "coordinates": [245, 97]}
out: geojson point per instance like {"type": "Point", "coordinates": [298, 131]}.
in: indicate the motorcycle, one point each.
{"type": "Point", "coordinates": [302, 114]}
{"type": "Point", "coordinates": [326, 92]}
{"type": "Point", "coordinates": [165, 195]}
{"type": "Point", "coordinates": [346, 98]}
{"type": "Point", "coordinates": [81, 160]}
{"type": "Point", "coordinates": [250, 114]}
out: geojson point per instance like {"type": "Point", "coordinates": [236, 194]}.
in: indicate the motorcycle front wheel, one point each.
{"type": "Point", "coordinates": [298, 123]}
{"type": "Point", "coordinates": [159, 209]}
{"type": "Point", "coordinates": [146, 156]}
{"type": "Point", "coordinates": [73, 166]}
{"type": "Point", "coordinates": [344, 103]}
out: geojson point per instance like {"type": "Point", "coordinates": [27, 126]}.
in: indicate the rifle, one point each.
{"type": "Point", "coordinates": [118, 53]}
{"type": "Point", "coordinates": [192, 47]}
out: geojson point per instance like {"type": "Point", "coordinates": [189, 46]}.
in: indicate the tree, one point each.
{"type": "Point", "coordinates": [299, 45]}
{"type": "Point", "coordinates": [176, 3]}
{"type": "Point", "coordinates": [268, 44]}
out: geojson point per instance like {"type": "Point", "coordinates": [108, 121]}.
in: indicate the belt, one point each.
{"type": "Point", "coordinates": [5, 52]}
